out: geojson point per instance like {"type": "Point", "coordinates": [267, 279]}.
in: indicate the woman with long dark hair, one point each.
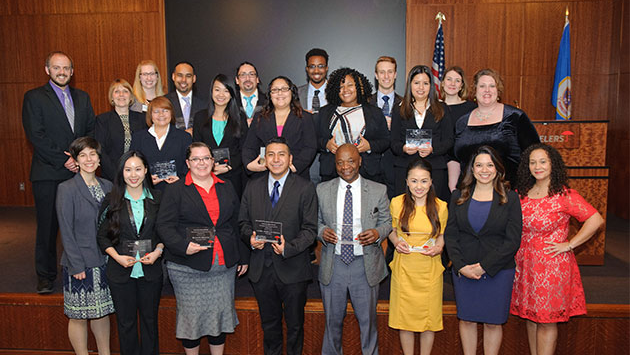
{"type": "Point", "coordinates": [282, 116]}
{"type": "Point", "coordinates": [222, 128]}
{"type": "Point", "coordinates": [421, 110]}
{"type": "Point", "coordinates": [349, 118]}
{"type": "Point", "coordinates": [547, 286]}
{"type": "Point", "coordinates": [482, 235]}
{"type": "Point", "coordinates": [134, 269]}
{"type": "Point", "coordinates": [418, 219]}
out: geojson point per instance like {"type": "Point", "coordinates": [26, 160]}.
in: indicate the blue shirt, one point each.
{"type": "Point", "coordinates": [59, 91]}
{"type": "Point", "coordinates": [218, 127]}
{"type": "Point", "coordinates": [380, 102]}
{"type": "Point", "coordinates": [271, 181]}
{"type": "Point", "coordinates": [321, 95]}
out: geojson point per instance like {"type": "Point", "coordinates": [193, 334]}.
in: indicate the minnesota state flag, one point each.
{"type": "Point", "coordinates": [561, 96]}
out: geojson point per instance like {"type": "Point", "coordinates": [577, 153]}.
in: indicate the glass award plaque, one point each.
{"type": "Point", "coordinates": [268, 231]}
{"type": "Point", "coordinates": [136, 247]}
{"type": "Point", "coordinates": [164, 169]}
{"type": "Point", "coordinates": [419, 138]}
{"type": "Point", "coordinates": [261, 156]}
{"type": "Point", "coordinates": [418, 248]}
{"type": "Point", "coordinates": [355, 238]}
{"type": "Point", "coordinates": [204, 236]}
{"type": "Point", "coordinates": [221, 156]}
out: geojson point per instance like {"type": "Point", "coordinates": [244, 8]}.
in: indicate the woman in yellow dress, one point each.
{"type": "Point", "coordinates": [418, 219]}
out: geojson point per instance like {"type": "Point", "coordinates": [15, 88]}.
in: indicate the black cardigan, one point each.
{"type": "Point", "coordinates": [115, 271]}
{"type": "Point", "coordinates": [496, 243]}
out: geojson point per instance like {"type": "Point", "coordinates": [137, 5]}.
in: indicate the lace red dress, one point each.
{"type": "Point", "coordinates": [548, 289]}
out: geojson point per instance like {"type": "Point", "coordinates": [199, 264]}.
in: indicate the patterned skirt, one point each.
{"type": "Point", "coordinates": [88, 298]}
{"type": "Point", "coordinates": [205, 300]}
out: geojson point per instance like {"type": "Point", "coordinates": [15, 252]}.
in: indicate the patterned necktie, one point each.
{"type": "Point", "coordinates": [67, 105]}
{"type": "Point", "coordinates": [385, 108]}
{"type": "Point", "coordinates": [315, 103]}
{"type": "Point", "coordinates": [347, 250]}
{"type": "Point", "coordinates": [186, 110]}
{"type": "Point", "coordinates": [249, 108]}
{"type": "Point", "coordinates": [275, 194]}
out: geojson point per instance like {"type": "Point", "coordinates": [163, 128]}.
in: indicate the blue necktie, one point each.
{"type": "Point", "coordinates": [275, 194]}
{"type": "Point", "coordinates": [249, 108]}
{"type": "Point", "coordinates": [385, 108]}
{"type": "Point", "coordinates": [347, 250]}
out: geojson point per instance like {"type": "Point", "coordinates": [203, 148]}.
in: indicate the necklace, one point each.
{"type": "Point", "coordinates": [484, 116]}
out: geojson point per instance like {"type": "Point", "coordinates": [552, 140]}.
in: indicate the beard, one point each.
{"type": "Point", "coordinates": [58, 81]}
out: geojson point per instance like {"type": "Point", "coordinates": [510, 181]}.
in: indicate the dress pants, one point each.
{"type": "Point", "coordinates": [349, 280]}
{"type": "Point", "coordinates": [45, 195]}
{"type": "Point", "coordinates": [130, 298]}
{"type": "Point", "coordinates": [275, 297]}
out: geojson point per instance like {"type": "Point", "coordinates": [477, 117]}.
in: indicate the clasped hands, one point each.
{"type": "Point", "coordinates": [474, 271]}
{"type": "Point", "coordinates": [363, 145]}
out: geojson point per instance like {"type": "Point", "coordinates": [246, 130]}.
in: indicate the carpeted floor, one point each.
{"type": "Point", "coordinates": [609, 283]}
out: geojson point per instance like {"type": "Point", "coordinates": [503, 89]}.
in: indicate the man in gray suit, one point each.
{"type": "Point", "coordinates": [353, 219]}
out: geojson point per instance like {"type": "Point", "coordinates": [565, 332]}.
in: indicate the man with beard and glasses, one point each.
{"type": "Point", "coordinates": [250, 99]}
{"type": "Point", "coordinates": [53, 116]}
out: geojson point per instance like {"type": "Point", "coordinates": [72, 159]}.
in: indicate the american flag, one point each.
{"type": "Point", "coordinates": [437, 67]}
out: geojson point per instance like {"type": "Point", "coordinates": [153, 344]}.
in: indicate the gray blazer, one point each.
{"type": "Point", "coordinates": [303, 95]}
{"type": "Point", "coordinates": [77, 212]}
{"type": "Point", "coordinates": [374, 214]}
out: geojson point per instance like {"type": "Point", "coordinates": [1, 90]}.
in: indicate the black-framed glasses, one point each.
{"type": "Point", "coordinates": [318, 66]}
{"type": "Point", "coordinates": [198, 160]}
{"type": "Point", "coordinates": [279, 90]}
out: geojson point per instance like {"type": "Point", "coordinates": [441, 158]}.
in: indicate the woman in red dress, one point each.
{"type": "Point", "coordinates": [547, 285]}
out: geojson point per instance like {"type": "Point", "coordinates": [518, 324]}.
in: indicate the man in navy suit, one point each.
{"type": "Point", "coordinates": [279, 273]}
{"type": "Point", "coordinates": [185, 101]}
{"type": "Point", "coordinates": [53, 116]}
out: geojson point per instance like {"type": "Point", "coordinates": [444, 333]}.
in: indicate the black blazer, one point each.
{"type": "Point", "coordinates": [110, 133]}
{"type": "Point", "coordinates": [174, 148]}
{"type": "Point", "coordinates": [47, 128]}
{"type": "Point", "coordinates": [197, 104]}
{"type": "Point", "coordinates": [496, 243]}
{"type": "Point", "coordinates": [299, 132]}
{"type": "Point", "coordinates": [442, 136]}
{"type": "Point", "coordinates": [297, 210]}
{"type": "Point", "coordinates": [262, 99]}
{"type": "Point", "coordinates": [376, 133]}
{"type": "Point", "coordinates": [202, 132]}
{"type": "Point", "coordinates": [115, 271]}
{"type": "Point", "coordinates": [183, 207]}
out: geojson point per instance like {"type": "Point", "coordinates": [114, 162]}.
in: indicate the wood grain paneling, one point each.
{"type": "Point", "coordinates": [106, 40]}
{"type": "Point", "coordinates": [602, 331]}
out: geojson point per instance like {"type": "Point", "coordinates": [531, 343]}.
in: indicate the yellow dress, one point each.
{"type": "Point", "coordinates": [415, 300]}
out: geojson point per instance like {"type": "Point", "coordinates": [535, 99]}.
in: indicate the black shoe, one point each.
{"type": "Point", "coordinates": [44, 286]}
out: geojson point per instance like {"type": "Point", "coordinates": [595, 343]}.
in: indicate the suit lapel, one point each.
{"type": "Point", "coordinates": [334, 187]}
{"type": "Point", "coordinates": [289, 125]}
{"type": "Point", "coordinates": [193, 196]}
{"type": "Point", "coordinates": [83, 189]}
{"type": "Point", "coordinates": [59, 107]}
{"type": "Point", "coordinates": [365, 203]}
{"type": "Point", "coordinates": [78, 123]}
{"type": "Point", "coordinates": [288, 185]}
{"type": "Point", "coordinates": [493, 212]}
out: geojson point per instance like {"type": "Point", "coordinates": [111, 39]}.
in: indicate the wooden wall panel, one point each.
{"type": "Point", "coordinates": [106, 40]}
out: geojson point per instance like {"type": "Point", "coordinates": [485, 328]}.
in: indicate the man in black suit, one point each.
{"type": "Point", "coordinates": [250, 98]}
{"type": "Point", "coordinates": [279, 273]}
{"type": "Point", "coordinates": [53, 115]}
{"type": "Point", "coordinates": [185, 101]}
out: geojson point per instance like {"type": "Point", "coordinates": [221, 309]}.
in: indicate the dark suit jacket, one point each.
{"type": "Point", "coordinates": [496, 243]}
{"type": "Point", "coordinates": [262, 99]}
{"type": "Point", "coordinates": [442, 135]}
{"type": "Point", "coordinates": [297, 210]}
{"type": "Point", "coordinates": [376, 133]}
{"type": "Point", "coordinates": [115, 272]}
{"type": "Point", "coordinates": [110, 133]}
{"type": "Point", "coordinates": [77, 212]}
{"type": "Point", "coordinates": [182, 207]}
{"type": "Point", "coordinates": [174, 148]}
{"type": "Point", "coordinates": [197, 104]}
{"type": "Point", "coordinates": [397, 100]}
{"type": "Point", "coordinates": [47, 128]}
{"type": "Point", "coordinates": [202, 132]}
{"type": "Point", "coordinates": [299, 132]}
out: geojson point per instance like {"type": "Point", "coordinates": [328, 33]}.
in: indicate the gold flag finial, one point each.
{"type": "Point", "coordinates": [440, 17]}
{"type": "Point", "coordinates": [566, 14]}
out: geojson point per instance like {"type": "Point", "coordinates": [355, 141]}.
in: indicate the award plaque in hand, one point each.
{"type": "Point", "coordinates": [221, 156]}
{"type": "Point", "coordinates": [419, 138]}
{"type": "Point", "coordinates": [164, 169]}
{"type": "Point", "coordinates": [268, 231]}
{"type": "Point", "coordinates": [204, 236]}
{"type": "Point", "coordinates": [136, 247]}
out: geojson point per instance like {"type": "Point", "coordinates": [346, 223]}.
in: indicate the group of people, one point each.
{"type": "Point", "coordinates": [246, 183]}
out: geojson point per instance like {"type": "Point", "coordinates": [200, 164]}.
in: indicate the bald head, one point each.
{"type": "Point", "coordinates": [348, 162]}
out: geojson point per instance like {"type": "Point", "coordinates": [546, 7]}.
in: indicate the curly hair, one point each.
{"type": "Point", "coordinates": [491, 73]}
{"type": "Point", "coordinates": [559, 181]}
{"type": "Point", "coordinates": [500, 185]}
{"type": "Point", "coordinates": [364, 87]}
{"type": "Point", "coordinates": [295, 106]}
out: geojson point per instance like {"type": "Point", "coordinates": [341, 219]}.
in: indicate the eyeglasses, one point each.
{"type": "Point", "coordinates": [197, 160]}
{"type": "Point", "coordinates": [149, 74]}
{"type": "Point", "coordinates": [160, 110]}
{"type": "Point", "coordinates": [250, 74]}
{"type": "Point", "coordinates": [318, 66]}
{"type": "Point", "coordinates": [279, 90]}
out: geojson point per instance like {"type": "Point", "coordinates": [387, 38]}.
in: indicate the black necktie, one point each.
{"type": "Point", "coordinates": [315, 102]}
